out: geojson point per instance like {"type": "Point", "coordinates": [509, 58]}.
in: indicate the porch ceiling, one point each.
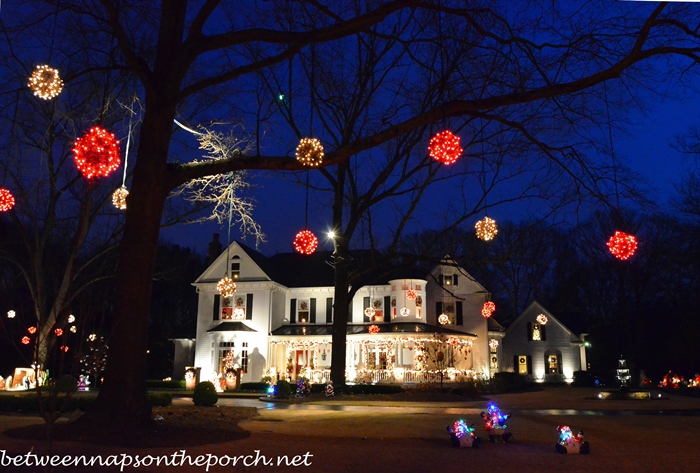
{"type": "Point", "coordinates": [357, 329]}
{"type": "Point", "coordinates": [231, 327]}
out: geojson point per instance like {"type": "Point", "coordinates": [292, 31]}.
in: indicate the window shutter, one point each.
{"type": "Point", "coordinates": [249, 306]}
{"type": "Point", "coordinates": [543, 332]}
{"type": "Point", "coordinates": [458, 313]}
{"type": "Point", "coordinates": [329, 310]}
{"type": "Point", "coordinates": [293, 311]}
{"type": "Point", "coordinates": [312, 311]}
{"type": "Point", "coordinates": [441, 280]}
{"type": "Point", "coordinates": [365, 302]}
{"type": "Point", "coordinates": [529, 331]}
{"type": "Point", "coordinates": [516, 364]}
{"type": "Point", "coordinates": [217, 306]}
{"type": "Point", "coordinates": [454, 280]}
{"type": "Point", "coordinates": [529, 364]}
{"type": "Point", "coordinates": [350, 312]}
{"type": "Point", "coordinates": [438, 309]}
{"type": "Point", "coordinates": [546, 362]}
{"type": "Point", "coordinates": [559, 365]}
{"type": "Point", "coordinates": [387, 314]}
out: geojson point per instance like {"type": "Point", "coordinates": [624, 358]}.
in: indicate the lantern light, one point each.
{"type": "Point", "coordinates": [96, 153]}
{"type": "Point", "coordinates": [486, 229]}
{"type": "Point", "coordinates": [488, 309]}
{"type": "Point", "coordinates": [444, 147]}
{"type": "Point", "coordinates": [226, 287]}
{"type": "Point", "coordinates": [45, 82]}
{"type": "Point", "coordinates": [119, 198]}
{"type": "Point", "coordinates": [305, 242]}
{"type": "Point", "coordinates": [622, 245]}
{"type": "Point", "coordinates": [310, 152]}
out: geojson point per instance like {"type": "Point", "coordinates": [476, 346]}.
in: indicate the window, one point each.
{"type": "Point", "coordinates": [522, 365]}
{"type": "Point", "coordinates": [448, 280]}
{"type": "Point", "coordinates": [553, 364]}
{"type": "Point", "coordinates": [536, 332]}
{"type": "Point", "coordinates": [244, 358]}
{"type": "Point", "coordinates": [303, 312]}
{"type": "Point", "coordinates": [225, 349]}
{"type": "Point", "coordinates": [235, 267]}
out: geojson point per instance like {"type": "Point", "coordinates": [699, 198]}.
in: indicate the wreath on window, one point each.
{"type": "Point", "coordinates": [393, 303]}
{"type": "Point", "coordinates": [239, 302]}
{"type": "Point", "coordinates": [377, 304]}
{"type": "Point", "coordinates": [419, 301]}
{"type": "Point", "coordinates": [303, 305]}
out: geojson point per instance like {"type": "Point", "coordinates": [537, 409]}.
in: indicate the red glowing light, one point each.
{"type": "Point", "coordinates": [25, 340]}
{"type": "Point", "coordinates": [622, 245]}
{"type": "Point", "coordinates": [305, 242]}
{"type": "Point", "coordinates": [7, 201]}
{"type": "Point", "coordinates": [411, 295]}
{"type": "Point", "coordinates": [64, 348]}
{"type": "Point", "coordinates": [444, 147]}
{"type": "Point", "coordinates": [31, 330]}
{"type": "Point", "coordinates": [58, 332]}
{"type": "Point", "coordinates": [96, 153]}
{"type": "Point", "coordinates": [488, 309]}
{"type": "Point", "coordinates": [373, 329]}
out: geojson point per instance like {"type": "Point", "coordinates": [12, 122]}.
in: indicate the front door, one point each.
{"type": "Point", "coordinates": [300, 362]}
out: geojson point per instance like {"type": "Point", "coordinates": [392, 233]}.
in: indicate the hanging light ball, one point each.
{"type": "Point", "coordinates": [226, 287]}
{"type": "Point", "coordinates": [305, 242]}
{"type": "Point", "coordinates": [45, 82]}
{"type": "Point", "coordinates": [73, 329]}
{"type": "Point", "coordinates": [411, 295]}
{"type": "Point", "coordinates": [444, 319]}
{"type": "Point", "coordinates": [92, 337]}
{"type": "Point", "coordinates": [96, 153]}
{"type": "Point", "coordinates": [119, 198]}
{"type": "Point", "coordinates": [488, 309]}
{"type": "Point", "coordinates": [25, 340]}
{"type": "Point", "coordinates": [58, 332]}
{"type": "Point", "coordinates": [11, 314]}
{"type": "Point", "coordinates": [444, 147]}
{"type": "Point", "coordinates": [373, 329]}
{"type": "Point", "coordinates": [7, 200]}
{"type": "Point", "coordinates": [405, 312]}
{"type": "Point", "coordinates": [310, 152]}
{"type": "Point", "coordinates": [64, 348]}
{"type": "Point", "coordinates": [31, 330]}
{"type": "Point", "coordinates": [622, 245]}
{"type": "Point", "coordinates": [541, 319]}
{"type": "Point", "coordinates": [486, 229]}
{"type": "Point", "coordinates": [369, 312]}
{"type": "Point", "coordinates": [71, 318]}
{"type": "Point", "coordinates": [493, 344]}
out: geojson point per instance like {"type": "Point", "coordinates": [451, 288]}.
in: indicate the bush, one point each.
{"type": "Point", "coordinates": [318, 388]}
{"type": "Point", "coordinates": [173, 385]}
{"type": "Point", "coordinates": [257, 387]}
{"type": "Point", "coordinates": [505, 381]}
{"type": "Point", "coordinates": [469, 388]}
{"type": "Point", "coordinates": [160, 399]}
{"type": "Point", "coordinates": [67, 384]}
{"type": "Point", "coordinates": [283, 389]}
{"type": "Point", "coordinates": [375, 389]}
{"type": "Point", "coordinates": [205, 394]}
{"type": "Point", "coordinates": [586, 379]}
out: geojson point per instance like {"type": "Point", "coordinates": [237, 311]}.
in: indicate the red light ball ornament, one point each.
{"type": "Point", "coordinates": [31, 330]}
{"type": "Point", "coordinates": [58, 332]}
{"type": "Point", "coordinates": [622, 245]}
{"type": "Point", "coordinates": [96, 153]}
{"type": "Point", "coordinates": [411, 295]}
{"type": "Point", "coordinates": [25, 340]}
{"type": "Point", "coordinates": [444, 147]}
{"type": "Point", "coordinates": [305, 242]}
{"type": "Point", "coordinates": [373, 329]}
{"type": "Point", "coordinates": [64, 348]}
{"type": "Point", "coordinates": [488, 309]}
{"type": "Point", "coordinates": [7, 201]}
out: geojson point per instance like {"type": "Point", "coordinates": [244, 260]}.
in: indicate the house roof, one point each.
{"type": "Point", "coordinates": [231, 327]}
{"type": "Point", "coordinates": [537, 307]}
{"type": "Point", "coordinates": [357, 329]}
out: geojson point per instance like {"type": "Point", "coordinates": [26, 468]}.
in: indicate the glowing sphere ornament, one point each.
{"type": "Point", "coordinates": [226, 287]}
{"type": "Point", "coordinates": [488, 309]}
{"type": "Point", "coordinates": [58, 332]}
{"type": "Point", "coordinates": [96, 153]}
{"type": "Point", "coordinates": [119, 198]}
{"type": "Point", "coordinates": [305, 242]}
{"type": "Point", "coordinates": [11, 314]}
{"type": "Point", "coordinates": [310, 152]}
{"type": "Point", "coordinates": [25, 340]}
{"type": "Point", "coordinates": [373, 329]}
{"type": "Point", "coordinates": [622, 245]}
{"type": "Point", "coordinates": [73, 329]}
{"type": "Point", "coordinates": [92, 337]}
{"type": "Point", "coordinates": [369, 312]}
{"type": "Point", "coordinates": [45, 82]}
{"type": "Point", "coordinates": [71, 318]}
{"type": "Point", "coordinates": [486, 229]}
{"type": "Point", "coordinates": [7, 200]}
{"type": "Point", "coordinates": [493, 344]}
{"type": "Point", "coordinates": [64, 348]}
{"type": "Point", "coordinates": [31, 330]}
{"type": "Point", "coordinates": [541, 319]}
{"type": "Point", "coordinates": [444, 319]}
{"type": "Point", "coordinates": [411, 295]}
{"type": "Point", "coordinates": [444, 147]}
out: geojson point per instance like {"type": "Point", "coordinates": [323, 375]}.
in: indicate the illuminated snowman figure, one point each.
{"type": "Point", "coordinates": [569, 443]}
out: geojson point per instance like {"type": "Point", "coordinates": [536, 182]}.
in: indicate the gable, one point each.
{"type": "Point", "coordinates": [529, 316]}
{"type": "Point", "coordinates": [250, 262]}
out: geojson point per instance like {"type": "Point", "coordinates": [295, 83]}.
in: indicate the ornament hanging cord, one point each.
{"type": "Point", "coordinates": [128, 140]}
{"type": "Point", "coordinates": [612, 148]}
{"type": "Point", "coordinates": [230, 216]}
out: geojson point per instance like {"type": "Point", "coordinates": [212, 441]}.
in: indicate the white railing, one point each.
{"type": "Point", "coordinates": [397, 375]}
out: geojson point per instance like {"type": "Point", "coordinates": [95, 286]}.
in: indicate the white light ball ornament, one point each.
{"type": "Point", "coordinates": [486, 229]}
{"type": "Point", "coordinates": [119, 198]}
{"type": "Point", "coordinates": [310, 152]}
{"type": "Point", "coordinates": [45, 82]}
{"type": "Point", "coordinates": [226, 287]}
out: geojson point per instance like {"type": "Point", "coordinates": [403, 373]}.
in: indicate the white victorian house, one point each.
{"type": "Point", "coordinates": [279, 322]}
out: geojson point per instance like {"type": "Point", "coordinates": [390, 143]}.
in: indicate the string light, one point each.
{"type": "Point", "coordinates": [119, 198]}
{"type": "Point", "coordinates": [7, 200]}
{"type": "Point", "coordinates": [405, 312]}
{"type": "Point", "coordinates": [11, 314]}
{"type": "Point", "coordinates": [622, 245]}
{"type": "Point", "coordinates": [443, 319]}
{"type": "Point", "coordinates": [25, 340]}
{"type": "Point", "coordinates": [226, 287]}
{"type": "Point", "coordinates": [542, 319]}
{"type": "Point", "coordinates": [411, 295]}
{"type": "Point", "coordinates": [444, 147]}
{"type": "Point", "coordinates": [96, 153]}
{"type": "Point", "coordinates": [373, 329]}
{"type": "Point", "coordinates": [45, 82]}
{"type": "Point", "coordinates": [31, 330]}
{"type": "Point", "coordinates": [486, 229]}
{"type": "Point", "coordinates": [310, 152]}
{"type": "Point", "coordinates": [305, 242]}
{"type": "Point", "coordinates": [488, 309]}
{"type": "Point", "coordinates": [58, 332]}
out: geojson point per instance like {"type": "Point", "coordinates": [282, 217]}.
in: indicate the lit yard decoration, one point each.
{"type": "Point", "coordinates": [411, 295]}
{"type": "Point", "coordinates": [569, 443]}
{"type": "Point", "coordinates": [486, 229]}
{"type": "Point", "coordinates": [488, 309]}
{"type": "Point", "coordinates": [462, 435]}
{"type": "Point", "coordinates": [305, 242]}
{"type": "Point", "coordinates": [541, 319]}
{"type": "Point", "coordinates": [45, 82]}
{"type": "Point", "coordinates": [310, 152]}
{"type": "Point", "coordinates": [444, 319]}
{"type": "Point", "coordinates": [226, 287]}
{"type": "Point", "coordinates": [11, 314]}
{"type": "Point", "coordinates": [7, 200]}
{"type": "Point", "coordinates": [444, 147]}
{"type": "Point", "coordinates": [622, 245]}
{"type": "Point", "coordinates": [119, 198]}
{"type": "Point", "coordinates": [58, 332]}
{"type": "Point", "coordinates": [404, 312]}
{"type": "Point", "coordinates": [25, 340]}
{"type": "Point", "coordinates": [330, 391]}
{"type": "Point", "coordinates": [373, 329]}
{"type": "Point", "coordinates": [96, 153]}
{"type": "Point", "coordinates": [493, 344]}
{"type": "Point", "coordinates": [495, 424]}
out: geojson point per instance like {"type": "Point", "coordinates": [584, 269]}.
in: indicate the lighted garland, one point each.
{"type": "Point", "coordinates": [119, 198]}
{"type": "Point", "coordinates": [305, 242]}
{"type": "Point", "coordinates": [45, 82]}
{"type": "Point", "coordinates": [444, 147]}
{"type": "Point", "coordinates": [622, 245]}
{"type": "Point", "coordinates": [7, 200]}
{"type": "Point", "coordinates": [96, 153]}
{"type": "Point", "coordinates": [486, 229]}
{"type": "Point", "coordinates": [541, 319]}
{"type": "Point", "coordinates": [488, 309]}
{"type": "Point", "coordinates": [411, 295]}
{"type": "Point", "coordinates": [310, 152]}
{"type": "Point", "coordinates": [373, 329]}
{"type": "Point", "coordinates": [226, 287]}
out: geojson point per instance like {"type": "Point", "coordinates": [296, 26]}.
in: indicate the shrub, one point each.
{"type": "Point", "coordinates": [469, 388]}
{"type": "Point", "coordinates": [67, 384]}
{"type": "Point", "coordinates": [283, 389]}
{"type": "Point", "coordinates": [505, 381]}
{"type": "Point", "coordinates": [375, 389]}
{"type": "Point", "coordinates": [168, 385]}
{"type": "Point", "coordinates": [160, 399]}
{"type": "Point", "coordinates": [205, 394]}
{"type": "Point", "coordinates": [318, 388]}
{"type": "Point", "coordinates": [257, 387]}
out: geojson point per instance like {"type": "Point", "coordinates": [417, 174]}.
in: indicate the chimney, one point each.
{"type": "Point", "coordinates": [214, 249]}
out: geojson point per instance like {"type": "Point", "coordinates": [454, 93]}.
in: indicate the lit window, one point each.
{"type": "Point", "coordinates": [536, 333]}
{"type": "Point", "coordinates": [303, 312]}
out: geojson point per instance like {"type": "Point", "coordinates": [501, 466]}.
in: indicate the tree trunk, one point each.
{"type": "Point", "coordinates": [340, 315]}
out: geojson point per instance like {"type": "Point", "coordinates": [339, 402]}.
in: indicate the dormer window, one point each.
{"type": "Point", "coordinates": [303, 312]}
{"type": "Point", "coordinates": [235, 267]}
{"type": "Point", "coordinates": [448, 280]}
